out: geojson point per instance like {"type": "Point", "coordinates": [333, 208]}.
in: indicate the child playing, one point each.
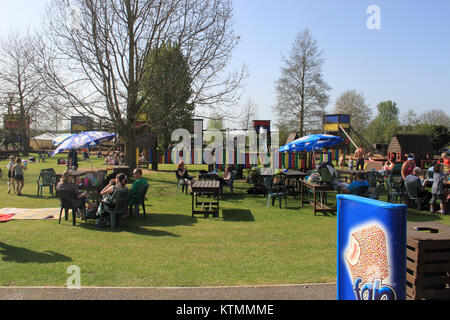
{"type": "Point", "coordinates": [18, 175]}
{"type": "Point", "coordinates": [11, 175]}
{"type": "Point", "coordinates": [437, 189]}
{"type": "Point", "coordinates": [342, 163]}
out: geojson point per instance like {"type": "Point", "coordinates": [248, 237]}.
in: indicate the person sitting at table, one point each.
{"type": "Point", "coordinates": [117, 184]}
{"type": "Point", "coordinates": [360, 182]}
{"type": "Point", "coordinates": [227, 177]}
{"type": "Point", "coordinates": [182, 174]}
{"type": "Point", "coordinates": [445, 160]}
{"type": "Point", "coordinates": [408, 166]}
{"type": "Point", "coordinates": [80, 199]}
{"type": "Point", "coordinates": [137, 184]}
{"type": "Point", "coordinates": [387, 168]}
{"type": "Point", "coordinates": [420, 187]}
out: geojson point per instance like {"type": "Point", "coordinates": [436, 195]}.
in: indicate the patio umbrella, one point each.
{"type": "Point", "coordinates": [83, 140]}
{"type": "Point", "coordinates": [59, 139]}
{"type": "Point", "coordinates": [312, 142]}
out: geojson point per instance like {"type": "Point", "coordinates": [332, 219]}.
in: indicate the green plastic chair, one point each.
{"type": "Point", "coordinates": [141, 193]}
{"type": "Point", "coordinates": [47, 178]}
{"type": "Point", "coordinates": [272, 193]}
{"type": "Point", "coordinates": [120, 198]}
{"type": "Point", "coordinates": [412, 193]}
{"type": "Point", "coordinates": [394, 191]}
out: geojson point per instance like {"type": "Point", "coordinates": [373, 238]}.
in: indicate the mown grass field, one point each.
{"type": "Point", "coordinates": [248, 245]}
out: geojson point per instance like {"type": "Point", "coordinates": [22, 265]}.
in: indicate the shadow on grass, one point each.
{"type": "Point", "coordinates": [237, 215]}
{"type": "Point", "coordinates": [141, 226]}
{"type": "Point", "coordinates": [22, 255]}
{"type": "Point", "coordinates": [421, 216]}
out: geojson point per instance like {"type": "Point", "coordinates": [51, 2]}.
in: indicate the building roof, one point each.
{"type": "Point", "coordinates": [46, 136]}
{"type": "Point", "coordinates": [412, 143]}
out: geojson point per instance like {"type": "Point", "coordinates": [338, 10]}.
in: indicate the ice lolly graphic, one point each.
{"type": "Point", "coordinates": [367, 255]}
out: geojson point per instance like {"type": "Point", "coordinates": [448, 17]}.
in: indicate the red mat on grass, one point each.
{"type": "Point", "coordinates": [6, 217]}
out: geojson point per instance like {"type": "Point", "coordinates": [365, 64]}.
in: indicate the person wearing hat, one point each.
{"type": "Point", "coordinates": [408, 166]}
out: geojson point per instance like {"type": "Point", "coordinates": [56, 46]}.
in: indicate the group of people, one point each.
{"type": "Point", "coordinates": [360, 156]}
{"type": "Point", "coordinates": [80, 200]}
{"type": "Point", "coordinates": [435, 177]}
{"type": "Point", "coordinates": [115, 159]}
{"type": "Point", "coordinates": [183, 175]}
{"type": "Point", "coordinates": [16, 180]}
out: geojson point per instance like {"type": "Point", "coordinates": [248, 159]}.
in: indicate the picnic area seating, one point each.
{"type": "Point", "coordinates": [46, 178]}
{"type": "Point", "coordinates": [412, 193]}
{"type": "Point", "coordinates": [182, 183]}
{"type": "Point", "coordinates": [141, 193]}
{"type": "Point", "coordinates": [120, 199]}
{"type": "Point", "coordinates": [395, 189]}
{"type": "Point", "coordinates": [230, 183]}
{"type": "Point", "coordinates": [375, 194]}
{"type": "Point", "coordinates": [66, 201]}
{"type": "Point", "coordinates": [143, 164]}
{"type": "Point", "coordinates": [274, 191]}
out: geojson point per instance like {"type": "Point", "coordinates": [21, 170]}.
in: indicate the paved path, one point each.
{"type": "Point", "coordinates": [282, 292]}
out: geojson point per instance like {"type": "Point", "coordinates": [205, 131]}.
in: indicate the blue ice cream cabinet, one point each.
{"type": "Point", "coordinates": [371, 249]}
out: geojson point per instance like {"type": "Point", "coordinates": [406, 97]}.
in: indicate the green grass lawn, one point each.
{"type": "Point", "coordinates": [248, 245]}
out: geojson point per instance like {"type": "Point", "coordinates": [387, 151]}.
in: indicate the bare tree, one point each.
{"type": "Point", "coordinates": [353, 103]}
{"type": "Point", "coordinates": [410, 118]}
{"type": "Point", "coordinates": [435, 117]}
{"type": "Point", "coordinates": [249, 113]}
{"type": "Point", "coordinates": [21, 90]}
{"type": "Point", "coordinates": [102, 49]}
{"type": "Point", "coordinates": [302, 94]}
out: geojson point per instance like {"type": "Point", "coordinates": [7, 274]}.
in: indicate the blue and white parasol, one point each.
{"type": "Point", "coordinates": [312, 142]}
{"type": "Point", "coordinates": [83, 140]}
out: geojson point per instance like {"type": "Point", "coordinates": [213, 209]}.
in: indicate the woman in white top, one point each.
{"type": "Point", "coordinates": [18, 175]}
{"type": "Point", "coordinates": [11, 181]}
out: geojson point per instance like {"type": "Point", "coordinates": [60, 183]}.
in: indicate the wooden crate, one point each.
{"type": "Point", "coordinates": [428, 261]}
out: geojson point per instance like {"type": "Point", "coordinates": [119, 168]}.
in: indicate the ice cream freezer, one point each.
{"type": "Point", "coordinates": [371, 249]}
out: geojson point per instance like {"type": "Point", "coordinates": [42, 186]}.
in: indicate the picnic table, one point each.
{"type": "Point", "coordinates": [351, 174]}
{"type": "Point", "coordinates": [208, 176]}
{"type": "Point", "coordinates": [92, 191]}
{"type": "Point", "coordinates": [208, 205]}
{"type": "Point", "coordinates": [292, 179]}
{"type": "Point", "coordinates": [319, 204]}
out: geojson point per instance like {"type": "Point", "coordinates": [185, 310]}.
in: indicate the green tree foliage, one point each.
{"type": "Point", "coordinates": [167, 83]}
{"type": "Point", "coordinates": [386, 124]}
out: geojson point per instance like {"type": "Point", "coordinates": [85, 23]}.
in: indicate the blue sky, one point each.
{"type": "Point", "coordinates": [407, 61]}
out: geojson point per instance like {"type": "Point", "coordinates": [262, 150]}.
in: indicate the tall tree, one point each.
{"type": "Point", "coordinates": [167, 86]}
{"type": "Point", "coordinates": [302, 93]}
{"type": "Point", "coordinates": [103, 54]}
{"type": "Point", "coordinates": [386, 123]}
{"type": "Point", "coordinates": [353, 103]}
{"type": "Point", "coordinates": [249, 113]}
{"type": "Point", "coordinates": [20, 86]}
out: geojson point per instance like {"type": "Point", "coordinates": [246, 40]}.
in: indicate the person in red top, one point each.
{"type": "Point", "coordinates": [408, 166]}
{"type": "Point", "coordinates": [445, 160]}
